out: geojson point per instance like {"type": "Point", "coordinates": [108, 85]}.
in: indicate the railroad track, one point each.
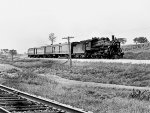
{"type": "Point", "coordinates": [13, 101]}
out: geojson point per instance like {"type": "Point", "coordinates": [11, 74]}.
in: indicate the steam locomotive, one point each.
{"type": "Point", "coordinates": [92, 48]}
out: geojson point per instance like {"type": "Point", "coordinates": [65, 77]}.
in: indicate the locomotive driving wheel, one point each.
{"type": "Point", "coordinates": [93, 56]}
{"type": "Point", "coordinates": [115, 57]}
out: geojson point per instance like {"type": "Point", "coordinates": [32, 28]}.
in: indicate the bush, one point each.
{"type": "Point", "coordinates": [13, 70]}
{"type": "Point", "coordinates": [140, 95]}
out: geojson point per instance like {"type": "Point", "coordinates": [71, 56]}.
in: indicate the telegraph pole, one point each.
{"type": "Point", "coordinates": [69, 47]}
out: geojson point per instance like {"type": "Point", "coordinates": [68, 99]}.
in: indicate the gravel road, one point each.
{"type": "Point", "coordinates": [115, 61]}
{"type": "Point", "coordinates": [103, 60]}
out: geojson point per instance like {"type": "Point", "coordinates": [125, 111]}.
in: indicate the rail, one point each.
{"type": "Point", "coordinates": [2, 110]}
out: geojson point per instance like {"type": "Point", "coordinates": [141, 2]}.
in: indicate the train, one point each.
{"type": "Point", "coordinates": [91, 48]}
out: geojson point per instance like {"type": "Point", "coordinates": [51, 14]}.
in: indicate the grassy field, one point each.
{"type": "Point", "coordinates": [137, 51]}
{"type": "Point", "coordinates": [136, 48]}
{"type": "Point", "coordinates": [96, 99]}
{"type": "Point", "coordinates": [138, 56]}
{"type": "Point", "coordinates": [90, 98]}
{"type": "Point", "coordinates": [112, 73]}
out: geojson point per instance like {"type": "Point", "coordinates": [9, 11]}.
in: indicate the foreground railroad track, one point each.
{"type": "Point", "coordinates": [13, 101]}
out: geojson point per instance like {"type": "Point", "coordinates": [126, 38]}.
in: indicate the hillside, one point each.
{"type": "Point", "coordinates": [136, 48]}
{"type": "Point", "coordinates": [137, 51]}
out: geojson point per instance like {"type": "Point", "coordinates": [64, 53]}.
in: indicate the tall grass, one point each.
{"type": "Point", "coordinates": [112, 73]}
{"type": "Point", "coordinates": [25, 76]}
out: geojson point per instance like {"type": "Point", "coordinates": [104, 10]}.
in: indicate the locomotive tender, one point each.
{"type": "Point", "coordinates": [92, 48]}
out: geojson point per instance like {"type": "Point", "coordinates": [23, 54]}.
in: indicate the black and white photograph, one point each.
{"type": "Point", "coordinates": [74, 56]}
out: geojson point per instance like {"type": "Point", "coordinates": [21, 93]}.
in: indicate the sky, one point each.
{"type": "Point", "coordinates": [27, 23]}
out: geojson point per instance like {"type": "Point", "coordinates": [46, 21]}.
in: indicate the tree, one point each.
{"type": "Point", "coordinates": [135, 40]}
{"type": "Point", "coordinates": [122, 40]}
{"type": "Point", "coordinates": [140, 40]}
{"type": "Point", "coordinates": [12, 53]}
{"type": "Point", "coordinates": [52, 38]}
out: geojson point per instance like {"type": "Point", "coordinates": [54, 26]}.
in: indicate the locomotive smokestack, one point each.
{"type": "Point", "coordinates": [113, 37]}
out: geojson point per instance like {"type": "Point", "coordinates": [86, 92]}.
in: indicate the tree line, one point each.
{"type": "Point", "coordinates": [136, 40]}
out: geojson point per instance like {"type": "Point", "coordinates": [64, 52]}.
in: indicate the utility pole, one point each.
{"type": "Point", "coordinates": [69, 47]}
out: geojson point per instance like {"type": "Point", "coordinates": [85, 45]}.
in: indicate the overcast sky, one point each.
{"type": "Point", "coordinates": [28, 23]}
